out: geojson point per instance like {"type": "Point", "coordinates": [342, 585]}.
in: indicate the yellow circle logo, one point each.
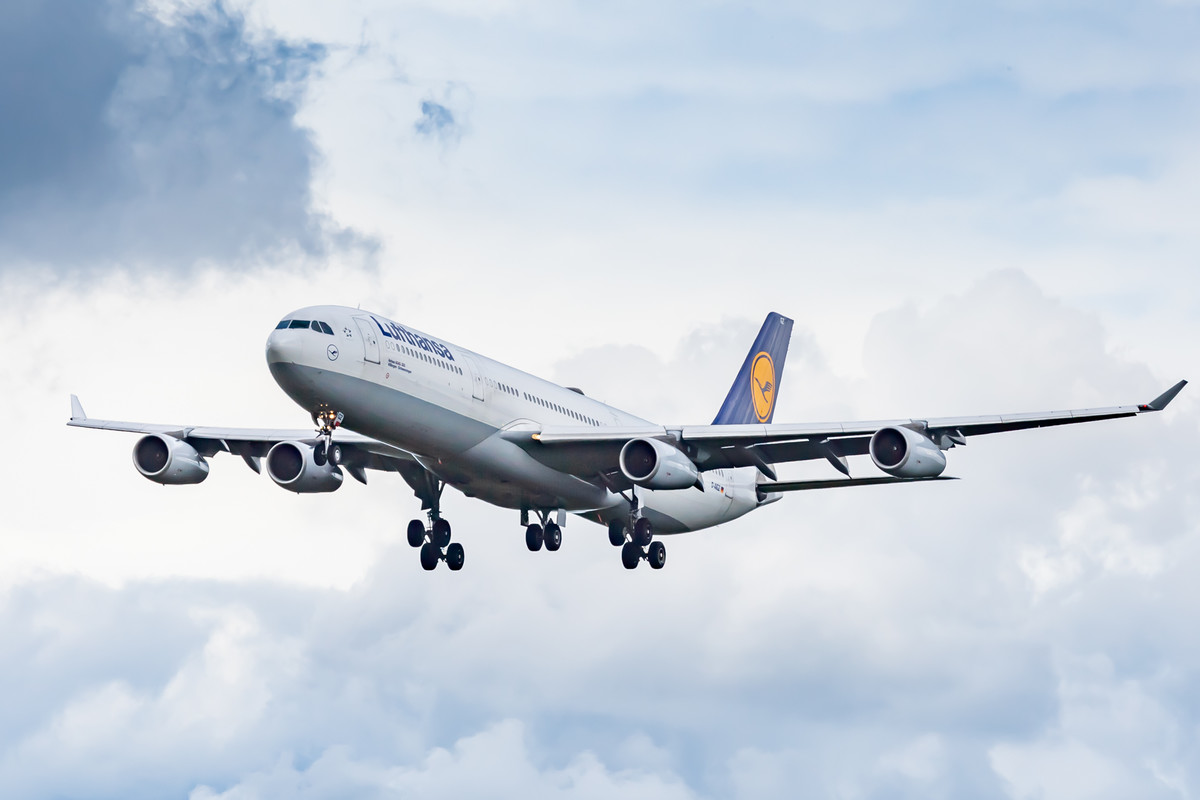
{"type": "Point", "coordinates": [762, 386]}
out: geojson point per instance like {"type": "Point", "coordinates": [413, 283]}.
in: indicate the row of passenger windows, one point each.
{"type": "Point", "coordinates": [504, 387]}
{"type": "Point", "coordinates": [533, 398]}
{"type": "Point", "coordinates": [316, 325]}
{"type": "Point", "coordinates": [437, 362]}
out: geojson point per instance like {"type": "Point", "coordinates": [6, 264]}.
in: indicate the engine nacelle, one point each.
{"type": "Point", "coordinates": [904, 453]}
{"type": "Point", "coordinates": [167, 460]}
{"type": "Point", "coordinates": [657, 465]}
{"type": "Point", "coordinates": [293, 465]}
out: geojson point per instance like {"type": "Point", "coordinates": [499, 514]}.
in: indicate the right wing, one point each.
{"type": "Point", "coordinates": [358, 452]}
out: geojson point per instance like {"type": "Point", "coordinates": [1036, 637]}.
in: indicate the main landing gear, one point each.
{"type": "Point", "coordinates": [547, 533]}
{"type": "Point", "coordinates": [640, 544]}
{"type": "Point", "coordinates": [434, 540]}
{"type": "Point", "coordinates": [435, 544]}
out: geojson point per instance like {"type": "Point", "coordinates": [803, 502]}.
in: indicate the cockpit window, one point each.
{"type": "Point", "coordinates": [326, 329]}
{"type": "Point", "coordinates": [298, 323]}
{"type": "Point", "coordinates": [316, 326]}
{"type": "Point", "coordinates": [283, 324]}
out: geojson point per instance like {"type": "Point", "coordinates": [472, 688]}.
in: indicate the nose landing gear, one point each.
{"type": "Point", "coordinates": [327, 421]}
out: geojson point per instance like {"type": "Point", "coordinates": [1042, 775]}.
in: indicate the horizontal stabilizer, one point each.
{"type": "Point", "coordinates": [799, 486]}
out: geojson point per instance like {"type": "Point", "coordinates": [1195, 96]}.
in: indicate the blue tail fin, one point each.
{"type": "Point", "coordinates": [751, 399]}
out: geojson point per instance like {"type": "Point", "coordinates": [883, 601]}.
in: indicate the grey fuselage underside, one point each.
{"type": "Point", "coordinates": [464, 452]}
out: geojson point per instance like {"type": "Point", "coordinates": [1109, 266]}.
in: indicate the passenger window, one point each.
{"type": "Point", "coordinates": [283, 324]}
{"type": "Point", "coordinates": [298, 323]}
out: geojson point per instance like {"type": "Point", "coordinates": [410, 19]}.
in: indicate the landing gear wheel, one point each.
{"type": "Point", "coordinates": [441, 533]}
{"type": "Point", "coordinates": [416, 533]}
{"type": "Point", "coordinates": [319, 454]}
{"type": "Point", "coordinates": [335, 454]}
{"type": "Point", "coordinates": [533, 537]}
{"type": "Point", "coordinates": [642, 532]}
{"type": "Point", "coordinates": [631, 554]}
{"type": "Point", "coordinates": [552, 536]}
{"type": "Point", "coordinates": [616, 533]}
{"type": "Point", "coordinates": [657, 555]}
{"type": "Point", "coordinates": [455, 556]}
{"type": "Point", "coordinates": [430, 556]}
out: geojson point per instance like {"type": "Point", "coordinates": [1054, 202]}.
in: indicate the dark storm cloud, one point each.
{"type": "Point", "coordinates": [128, 138]}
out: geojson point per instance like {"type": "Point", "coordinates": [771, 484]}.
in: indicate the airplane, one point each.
{"type": "Point", "coordinates": [400, 400]}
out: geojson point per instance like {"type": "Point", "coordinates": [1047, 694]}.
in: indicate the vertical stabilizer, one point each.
{"type": "Point", "coordinates": [752, 397]}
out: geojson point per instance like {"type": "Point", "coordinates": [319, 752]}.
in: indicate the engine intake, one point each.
{"type": "Point", "coordinates": [169, 461]}
{"type": "Point", "coordinates": [295, 467]}
{"type": "Point", "coordinates": [904, 453]}
{"type": "Point", "coordinates": [657, 465]}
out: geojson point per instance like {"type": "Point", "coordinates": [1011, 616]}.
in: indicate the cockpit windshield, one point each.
{"type": "Point", "coordinates": [298, 324]}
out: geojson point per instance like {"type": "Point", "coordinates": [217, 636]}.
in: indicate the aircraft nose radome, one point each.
{"type": "Point", "coordinates": [284, 346]}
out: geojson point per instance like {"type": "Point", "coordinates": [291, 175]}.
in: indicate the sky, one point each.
{"type": "Point", "coordinates": [967, 209]}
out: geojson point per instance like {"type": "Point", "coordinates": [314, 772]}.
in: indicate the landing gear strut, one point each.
{"type": "Point", "coordinates": [640, 544]}
{"type": "Point", "coordinates": [434, 539]}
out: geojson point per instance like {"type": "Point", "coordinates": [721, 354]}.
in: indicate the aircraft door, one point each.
{"type": "Point", "coordinates": [476, 376]}
{"type": "Point", "coordinates": [366, 330]}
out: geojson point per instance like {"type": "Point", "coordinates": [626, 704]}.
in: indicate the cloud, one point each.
{"type": "Point", "coordinates": [439, 121]}
{"type": "Point", "coordinates": [436, 121]}
{"type": "Point", "coordinates": [140, 140]}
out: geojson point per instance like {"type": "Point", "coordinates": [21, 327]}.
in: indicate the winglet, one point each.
{"type": "Point", "coordinates": [1160, 402]}
{"type": "Point", "coordinates": [77, 408]}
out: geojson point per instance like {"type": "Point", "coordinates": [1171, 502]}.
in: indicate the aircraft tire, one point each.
{"type": "Point", "coordinates": [643, 532]}
{"type": "Point", "coordinates": [616, 533]}
{"type": "Point", "coordinates": [416, 533]}
{"type": "Point", "coordinates": [441, 532]}
{"type": "Point", "coordinates": [631, 554]}
{"type": "Point", "coordinates": [455, 556]}
{"type": "Point", "coordinates": [533, 537]}
{"type": "Point", "coordinates": [430, 556]}
{"type": "Point", "coordinates": [552, 536]}
{"type": "Point", "coordinates": [657, 555]}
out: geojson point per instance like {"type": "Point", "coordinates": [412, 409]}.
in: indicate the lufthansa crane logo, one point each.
{"type": "Point", "coordinates": [762, 386]}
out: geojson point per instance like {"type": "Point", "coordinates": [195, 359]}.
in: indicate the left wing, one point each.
{"type": "Point", "coordinates": [723, 446]}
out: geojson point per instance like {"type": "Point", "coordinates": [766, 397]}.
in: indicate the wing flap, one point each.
{"type": "Point", "coordinates": [800, 486]}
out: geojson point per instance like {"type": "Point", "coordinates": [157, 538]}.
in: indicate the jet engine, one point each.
{"type": "Point", "coordinates": [295, 467]}
{"type": "Point", "coordinates": [657, 465]}
{"type": "Point", "coordinates": [167, 460]}
{"type": "Point", "coordinates": [904, 453]}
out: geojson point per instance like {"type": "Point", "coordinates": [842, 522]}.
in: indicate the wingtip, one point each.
{"type": "Point", "coordinates": [77, 408]}
{"type": "Point", "coordinates": [1164, 399]}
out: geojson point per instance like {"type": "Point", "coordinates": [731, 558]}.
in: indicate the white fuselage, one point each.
{"type": "Point", "coordinates": [451, 409]}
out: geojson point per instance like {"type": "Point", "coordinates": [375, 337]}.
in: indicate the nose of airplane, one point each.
{"type": "Point", "coordinates": [284, 347]}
